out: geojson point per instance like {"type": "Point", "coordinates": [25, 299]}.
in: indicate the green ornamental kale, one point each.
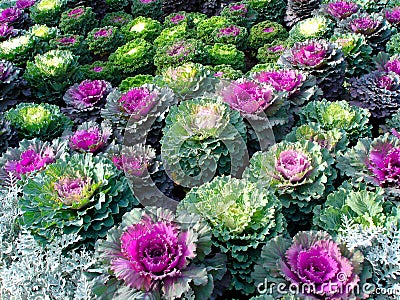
{"type": "Point", "coordinates": [242, 217]}
{"type": "Point", "coordinates": [80, 194]}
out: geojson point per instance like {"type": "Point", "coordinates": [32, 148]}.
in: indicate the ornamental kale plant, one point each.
{"type": "Point", "coordinates": [90, 137]}
{"type": "Point", "coordinates": [310, 259]}
{"type": "Point", "coordinates": [17, 49]}
{"type": "Point", "coordinates": [78, 20]}
{"type": "Point", "coordinates": [205, 28]}
{"type": "Point", "coordinates": [135, 81]}
{"type": "Point", "coordinates": [299, 173]}
{"type": "Point", "coordinates": [147, 8]}
{"type": "Point", "coordinates": [130, 110]}
{"type": "Point", "coordinates": [198, 139]}
{"type": "Point", "coordinates": [84, 100]}
{"type": "Point", "coordinates": [178, 53]}
{"type": "Point", "coordinates": [188, 81]}
{"type": "Point", "coordinates": [270, 53]}
{"type": "Point", "coordinates": [157, 254]}
{"type": "Point", "coordinates": [226, 54]}
{"type": "Point", "coordinates": [101, 70]}
{"type": "Point", "coordinates": [334, 140]}
{"type": "Point", "coordinates": [177, 18]}
{"type": "Point", "coordinates": [74, 43]}
{"type": "Point", "coordinates": [134, 57]}
{"type": "Point", "coordinates": [273, 10]}
{"type": "Point", "coordinates": [105, 40]}
{"type": "Point", "coordinates": [340, 115]}
{"type": "Point", "coordinates": [80, 194]}
{"type": "Point", "coordinates": [143, 28]}
{"type": "Point", "coordinates": [240, 13]}
{"type": "Point", "coordinates": [321, 59]}
{"type": "Point", "coordinates": [378, 92]}
{"type": "Point", "coordinates": [51, 73]}
{"type": "Point", "coordinates": [171, 34]}
{"type": "Point", "coordinates": [356, 52]}
{"type": "Point", "coordinates": [30, 157]}
{"type": "Point", "coordinates": [231, 34]}
{"type": "Point", "coordinates": [242, 217]}
{"type": "Point", "coordinates": [339, 10]}
{"type": "Point", "coordinates": [44, 121]}
{"type": "Point", "coordinates": [47, 11]}
{"type": "Point", "coordinates": [374, 162]}
{"type": "Point", "coordinates": [371, 26]}
{"type": "Point", "coordinates": [266, 32]}
{"type": "Point", "coordinates": [116, 19]}
{"type": "Point", "coordinates": [358, 206]}
{"type": "Point", "coordinates": [312, 28]}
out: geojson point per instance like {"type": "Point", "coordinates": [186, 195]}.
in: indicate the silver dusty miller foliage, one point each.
{"type": "Point", "coordinates": [29, 271]}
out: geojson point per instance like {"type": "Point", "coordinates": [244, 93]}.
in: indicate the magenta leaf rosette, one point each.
{"type": "Point", "coordinates": [156, 254]}
{"type": "Point", "coordinates": [84, 100]}
{"type": "Point", "coordinates": [312, 264]}
{"type": "Point", "coordinates": [129, 110]}
{"type": "Point", "coordinates": [393, 16]}
{"type": "Point", "coordinates": [30, 157]}
{"type": "Point", "coordinates": [81, 194]}
{"type": "Point", "coordinates": [375, 162]}
{"type": "Point", "coordinates": [320, 58]}
{"type": "Point", "coordinates": [90, 137]}
{"type": "Point", "coordinates": [372, 26]}
{"type": "Point", "coordinates": [299, 173]}
{"type": "Point", "coordinates": [340, 10]}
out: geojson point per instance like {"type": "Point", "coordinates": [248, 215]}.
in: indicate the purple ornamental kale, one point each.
{"type": "Point", "coordinates": [393, 16]}
{"type": "Point", "coordinates": [248, 96]}
{"type": "Point", "coordinates": [72, 190]}
{"type": "Point", "coordinates": [311, 54]}
{"type": "Point", "coordinates": [342, 9]}
{"type": "Point", "coordinates": [293, 165]}
{"type": "Point", "coordinates": [10, 15]}
{"type": "Point", "coordinates": [76, 13]}
{"type": "Point", "coordinates": [384, 163]}
{"type": "Point", "coordinates": [137, 102]}
{"type": "Point", "coordinates": [30, 161]}
{"type": "Point", "coordinates": [177, 18]}
{"type": "Point", "coordinates": [86, 94]}
{"type": "Point", "coordinates": [89, 140]}
{"type": "Point", "coordinates": [23, 4]}
{"type": "Point", "coordinates": [151, 253]}
{"type": "Point", "coordinates": [364, 25]}
{"type": "Point", "coordinates": [281, 80]}
{"type": "Point", "coordinates": [229, 31]}
{"type": "Point", "coordinates": [393, 66]}
{"type": "Point", "coordinates": [6, 31]}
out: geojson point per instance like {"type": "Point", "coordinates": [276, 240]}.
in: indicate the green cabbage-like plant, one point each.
{"type": "Point", "coordinates": [178, 18]}
{"type": "Point", "coordinates": [374, 162]}
{"type": "Point", "coordinates": [356, 51]}
{"type": "Point", "coordinates": [80, 194]}
{"type": "Point", "coordinates": [205, 28]}
{"type": "Point", "coordinates": [74, 43]}
{"type": "Point", "coordinates": [29, 158]}
{"type": "Point", "coordinates": [44, 121]}
{"type": "Point", "coordinates": [78, 20]}
{"type": "Point", "coordinates": [240, 13]}
{"type": "Point", "coordinates": [224, 72]}
{"type": "Point", "coordinates": [51, 73]}
{"type": "Point", "coordinates": [352, 120]}
{"type": "Point", "coordinates": [334, 140]}
{"type": "Point", "coordinates": [392, 46]}
{"type": "Point", "coordinates": [103, 41]}
{"type": "Point", "coordinates": [18, 49]}
{"type": "Point", "coordinates": [147, 8]}
{"type": "Point", "coordinates": [188, 81]}
{"type": "Point", "coordinates": [43, 34]}
{"type": "Point", "coordinates": [226, 54]}
{"type": "Point", "coordinates": [116, 19]}
{"type": "Point", "coordinates": [134, 57]}
{"type": "Point", "coordinates": [266, 32]}
{"type": "Point", "coordinates": [135, 81]}
{"type": "Point", "coordinates": [311, 28]}
{"type": "Point", "coordinates": [231, 34]}
{"type": "Point", "coordinates": [155, 241]}
{"type": "Point", "coordinates": [141, 27]}
{"type": "Point", "coordinates": [270, 52]}
{"type": "Point", "coordinates": [47, 11]}
{"type": "Point", "coordinates": [242, 217]}
{"type": "Point", "coordinates": [199, 138]}
{"type": "Point", "coordinates": [299, 173]}
{"type": "Point", "coordinates": [170, 34]}
{"type": "Point", "coordinates": [180, 52]}
{"type": "Point", "coordinates": [358, 206]}
{"type": "Point", "coordinates": [273, 10]}
{"type": "Point", "coordinates": [101, 70]}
